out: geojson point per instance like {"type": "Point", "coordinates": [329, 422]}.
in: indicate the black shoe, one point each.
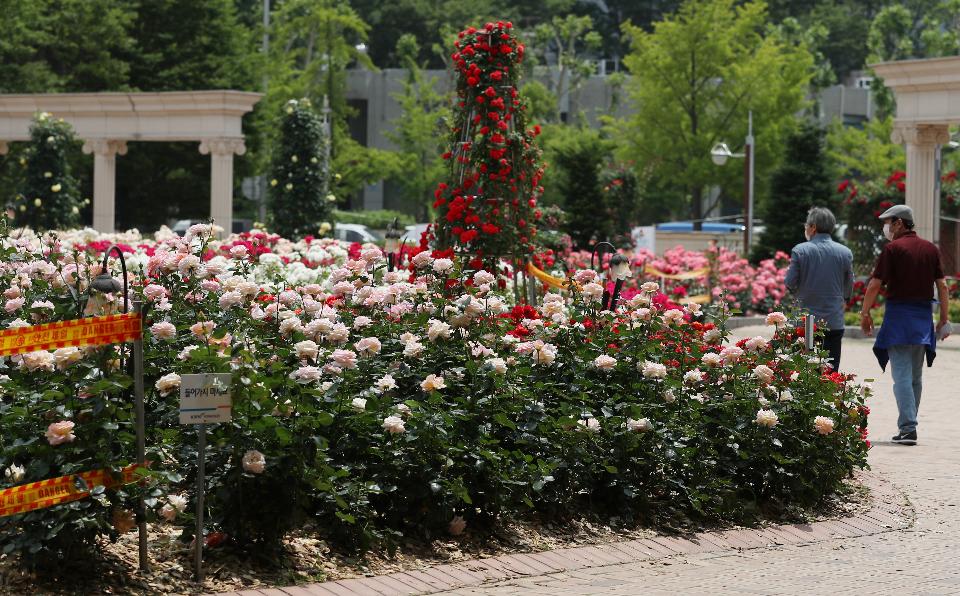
{"type": "Point", "coordinates": [909, 438]}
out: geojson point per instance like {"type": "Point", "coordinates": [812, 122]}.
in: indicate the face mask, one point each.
{"type": "Point", "coordinates": [887, 233]}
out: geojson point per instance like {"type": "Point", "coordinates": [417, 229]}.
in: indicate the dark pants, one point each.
{"type": "Point", "coordinates": [831, 343]}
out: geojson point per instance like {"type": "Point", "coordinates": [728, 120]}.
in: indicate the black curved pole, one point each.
{"type": "Point", "coordinates": [593, 255]}
{"type": "Point", "coordinates": [123, 267]}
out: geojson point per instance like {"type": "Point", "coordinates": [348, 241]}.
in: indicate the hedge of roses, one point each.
{"type": "Point", "coordinates": [419, 402]}
{"type": "Point", "coordinates": [746, 287]}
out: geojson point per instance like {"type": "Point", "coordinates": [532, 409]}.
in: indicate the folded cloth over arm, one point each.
{"type": "Point", "coordinates": [906, 322]}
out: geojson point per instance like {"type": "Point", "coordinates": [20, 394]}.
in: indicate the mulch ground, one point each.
{"type": "Point", "coordinates": [308, 558]}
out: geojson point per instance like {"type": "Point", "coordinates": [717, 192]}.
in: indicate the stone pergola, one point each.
{"type": "Point", "coordinates": [108, 121]}
{"type": "Point", "coordinates": [928, 103]}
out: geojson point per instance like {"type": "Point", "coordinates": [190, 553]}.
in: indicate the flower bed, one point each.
{"type": "Point", "coordinates": [744, 286]}
{"type": "Point", "coordinates": [379, 404]}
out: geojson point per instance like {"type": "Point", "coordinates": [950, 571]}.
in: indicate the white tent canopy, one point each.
{"type": "Point", "coordinates": [107, 121]}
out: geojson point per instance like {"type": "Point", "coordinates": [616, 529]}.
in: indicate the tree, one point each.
{"type": "Point", "coordinates": [693, 80]}
{"type": "Point", "coordinates": [802, 181]}
{"type": "Point", "coordinates": [65, 45]}
{"type": "Point", "coordinates": [299, 202]}
{"type": "Point", "coordinates": [488, 204]}
{"type": "Point", "coordinates": [566, 38]}
{"type": "Point", "coordinates": [864, 153]}
{"type": "Point", "coordinates": [181, 45]}
{"type": "Point", "coordinates": [48, 197]}
{"type": "Point", "coordinates": [577, 156]}
{"type": "Point", "coordinates": [424, 112]}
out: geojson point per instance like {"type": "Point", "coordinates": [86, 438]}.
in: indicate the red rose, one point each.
{"type": "Point", "coordinates": [472, 81]}
{"type": "Point", "coordinates": [490, 92]}
{"type": "Point", "coordinates": [496, 75]}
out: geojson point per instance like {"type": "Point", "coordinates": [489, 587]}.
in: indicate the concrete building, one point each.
{"type": "Point", "coordinates": [372, 97]}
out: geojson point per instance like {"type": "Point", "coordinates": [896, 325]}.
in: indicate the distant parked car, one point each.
{"type": "Point", "coordinates": [182, 225]}
{"type": "Point", "coordinates": [354, 233]}
{"type": "Point", "coordinates": [412, 234]}
{"type": "Point", "coordinates": [708, 226]}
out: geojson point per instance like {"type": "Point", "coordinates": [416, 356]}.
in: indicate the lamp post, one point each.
{"type": "Point", "coordinates": [720, 154]}
{"type": "Point", "coordinates": [593, 255]}
{"type": "Point", "coordinates": [106, 284]}
{"type": "Point", "coordinates": [391, 244]}
{"type": "Point", "coordinates": [620, 271]}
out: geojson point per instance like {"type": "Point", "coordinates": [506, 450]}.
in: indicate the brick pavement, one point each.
{"type": "Point", "coordinates": [885, 551]}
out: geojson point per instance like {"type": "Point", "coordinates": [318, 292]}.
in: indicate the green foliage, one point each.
{"type": "Point", "coordinates": [48, 197]}
{"type": "Point", "coordinates": [51, 46]}
{"type": "Point", "coordinates": [375, 219]}
{"type": "Point", "coordinates": [298, 197]}
{"type": "Point", "coordinates": [864, 153]}
{"type": "Point", "coordinates": [541, 102]}
{"type": "Point", "coordinates": [568, 38]}
{"type": "Point", "coordinates": [802, 181]}
{"type": "Point", "coordinates": [578, 182]}
{"type": "Point", "coordinates": [694, 78]}
{"type": "Point", "coordinates": [419, 131]}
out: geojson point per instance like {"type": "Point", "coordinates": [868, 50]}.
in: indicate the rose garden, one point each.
{"type": "Point", "coordinates": [382, 394]}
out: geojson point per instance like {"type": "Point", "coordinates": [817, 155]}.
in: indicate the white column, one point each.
{"type": "Point", "coordinates": [221, 178]}
{"type": "Point", "coordinates": [921, 141]}
{"type": "Point", "coordinates": [104, 180]}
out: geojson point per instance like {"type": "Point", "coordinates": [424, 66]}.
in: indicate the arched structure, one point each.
{"type": "Point", "coordinates": [108, 121]}
{"type": "Point", "coordinates": [928, 102]}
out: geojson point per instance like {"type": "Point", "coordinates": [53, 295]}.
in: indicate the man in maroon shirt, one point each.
{"type": "Point", "coordinates": [909, 267]}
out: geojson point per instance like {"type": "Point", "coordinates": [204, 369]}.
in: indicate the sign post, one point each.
{"type": "Point", "coordinates": [204, 398]}
{"type": "Point", "coordinates": [141, 432]}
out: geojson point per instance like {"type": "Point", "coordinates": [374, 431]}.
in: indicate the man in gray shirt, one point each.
{"type": "Point", "coordinates": [821, 277]}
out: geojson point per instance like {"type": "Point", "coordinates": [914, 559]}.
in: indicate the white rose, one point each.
{"type": "Point", "coordinates": [163, 330]}
{"type": "Point", "coordinates": [386, 383]}
{"type": "Point", "coordinates": [641, 426]}
{"type": "Point", "coordinates": [604, 362]}
{"type": "Point", "coordinates": [823, 425]}
{"type": "Point", "coordinates": [254, 462]}
{"type": "Point", "coordinates": [393, 425]}
{"type": "Point", "coordinates": [359, 403]}
{"type": "Point", "coordinates": [438, 329]}
{"type": "Point", "coordinates": [442, 265]}
{"type": "Point", "coordinates": [433, 383]}
{"type": "Point", "coordinates": [306, 349]}
{"type": "Point", "coordinates": [766, 418]}
{"type": "Point", "coordinates": [652, 370]}
{"type": "Point", "coordinates": [167, 383]}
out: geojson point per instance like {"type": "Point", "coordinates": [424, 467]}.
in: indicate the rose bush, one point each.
{"type": "Point", "coordinates": [744, 286]}
{"type": "Point", "coordinates": [378, 403]}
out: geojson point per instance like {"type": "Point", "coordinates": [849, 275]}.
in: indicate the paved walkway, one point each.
{"type": "Point", "coordinates": [919, 559]}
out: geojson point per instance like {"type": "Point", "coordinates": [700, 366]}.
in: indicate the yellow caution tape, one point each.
{"type": "Point", "coordinates": [92, 331]}
{"type": "Point", "coordinates": [63, 489]}
{"type": "Point", "coordinates": [546, 278]}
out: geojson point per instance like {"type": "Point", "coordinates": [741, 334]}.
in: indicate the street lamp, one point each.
{"type": "Point", "coordinates": [620, 271]}
{"type": "Point", "coordinates": [720, 154]}
{"type": "Point", "coordinates": [391, 244]}
{"type": "Point", "coordinates": [106, 284]}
